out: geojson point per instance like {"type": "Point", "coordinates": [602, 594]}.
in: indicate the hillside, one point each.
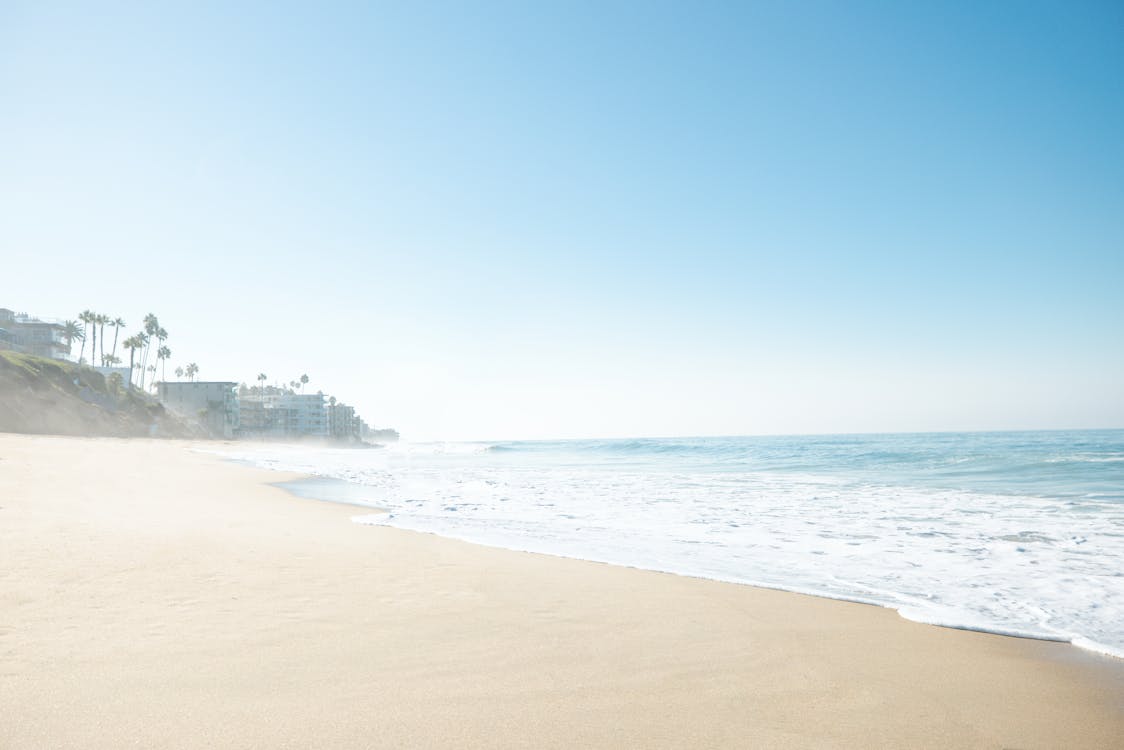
{"type": "Point", "coordinates": [39, 395]}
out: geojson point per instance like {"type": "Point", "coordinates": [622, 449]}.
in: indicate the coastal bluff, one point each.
{"type": "Point", "coordinates": [48, 396]}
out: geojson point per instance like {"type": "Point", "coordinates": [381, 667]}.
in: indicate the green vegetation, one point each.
{"type": "Point", "coordinates": [85, 317]}
{"type": "Point", "coordinates": [133, 343]}
{"type": "Point", "coordinates": [40, 395]}
{"type": "Point", "coordinates": [117, 324]}
{"type": "Point", "coordinates": [71, 331]}
{"type": "Point", "coordinates": [162, 354]}
{"type": "Point", "coordinates": [140, 345]}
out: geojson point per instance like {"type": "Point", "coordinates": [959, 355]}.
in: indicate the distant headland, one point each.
{"type": "Point", "coordinates": [45, 388]}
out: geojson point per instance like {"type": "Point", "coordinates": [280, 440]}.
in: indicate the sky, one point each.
{"type": "Point", "coordinates": [544, 220]}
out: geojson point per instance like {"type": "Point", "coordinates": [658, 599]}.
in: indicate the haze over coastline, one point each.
{"type": "Point", "coordinates": [758, 368]}
{"type": "Point", "coordinates": [500, 222]}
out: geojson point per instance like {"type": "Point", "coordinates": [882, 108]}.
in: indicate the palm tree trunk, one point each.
{"type": "Point", "coordinates": [94, 346]}
{"type": "Point", "coordinates": [116, 330]}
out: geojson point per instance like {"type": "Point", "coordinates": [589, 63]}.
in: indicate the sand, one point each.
{"type": "Point", "coordinates": [154, 596]}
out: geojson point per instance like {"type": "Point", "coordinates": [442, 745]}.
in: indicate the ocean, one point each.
{"type": "Point", "coordinates": [1017, 533]}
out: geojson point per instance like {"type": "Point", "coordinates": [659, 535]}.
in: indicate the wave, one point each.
{"type": "Point", "coordinates": [987, 463]}
{"type": "Point", "coordinates": [913, 613]}
{"type": "Point", "coordinates": [709, 447]}
{"type": "Point", "coordinates": [962, 531]}
{"type": "Point", "coordinates": [569, 446]}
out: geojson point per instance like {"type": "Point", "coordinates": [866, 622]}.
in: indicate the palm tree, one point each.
{"type": "Point", "coordinates": [179, 373]}
{"type": "Point", "coordinates": [151, 328]}
{"type": "Point", "coordinates": [95, 318]}
{"type": "Point", "coordinates": [117, 324]}
{"type": "Point", "coordinates": [304, 381]}
{"type": "Point", "coordinates": [86, 317]}
{"type": "Point", "coordinates": [161, 336]}
{"type": "Point", "coordinates": [111, 360]}
{"type": "Point", "coordinates": [71, 331]}
{"type": "Point", "coordinates": [262, 377]}
{"type": "Point", "coordinates": [102, 320]}
{"type": "Point", "coordinates": [192, 371]}
{"type": "Point", "coordinates": [162, 354]}
{"type": "Point", "coordinates": [152, 369]}
{"type": "Point", "coordinates": [134, 342]}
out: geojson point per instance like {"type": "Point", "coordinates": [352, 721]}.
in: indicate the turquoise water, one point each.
{"type": "Point", "coordinates": [1015, 533]}
{"type": "Point", "coordinates": [1072, 464]}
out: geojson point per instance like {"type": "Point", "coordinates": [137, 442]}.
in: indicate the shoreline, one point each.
{"type": "Point", "coordinates": [160, 596]}
{"type": "Point", "coordinates": [344, 492]}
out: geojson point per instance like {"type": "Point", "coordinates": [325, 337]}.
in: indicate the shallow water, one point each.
{"type": "Point", "coordinates": [1015, 533]}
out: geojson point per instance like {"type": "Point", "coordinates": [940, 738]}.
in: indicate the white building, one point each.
{"type": "Point", "coordinates": [302, 415]}
{"type": "Point", "coordinates": [22, 333]}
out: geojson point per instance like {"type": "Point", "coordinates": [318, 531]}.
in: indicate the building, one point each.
{"type": "Point", "coordinates": [274, 413]}
{"type": "Point", "coordinates": [260, 417]}
{"type": "Point", "coordinates": [302, 415]}
{"type": "Point", "coordinates": [255, 415]}
{"type": "Point", "coordinates": [343, 423]}
{"type": "Point", "coordinates": [22, 333]}
{"type": "Point", "coordinates": [282, 415]}
{"type": "Point", "coordinates": [213, 403]}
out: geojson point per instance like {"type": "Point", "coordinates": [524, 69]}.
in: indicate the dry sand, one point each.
{"type": "Point", "coordinates": [151, 596]}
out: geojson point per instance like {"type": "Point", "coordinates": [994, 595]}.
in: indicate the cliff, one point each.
{"type": "Point", "coordinates": [39, 395]}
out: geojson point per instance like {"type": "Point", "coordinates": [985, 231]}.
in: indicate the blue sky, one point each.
{"type": "Point", "coordinates": [514, 220]}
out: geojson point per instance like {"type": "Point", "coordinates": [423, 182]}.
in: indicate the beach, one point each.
{"type": "Point", "coordinates": [153, 595]}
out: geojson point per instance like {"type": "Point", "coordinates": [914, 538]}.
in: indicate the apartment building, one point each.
{"type": "Point", "coordinates": [284, 415]}
{"type": "Point", "coordinates": [302, 414]}
{"type": "Point", "coordinates": [22, 333]}
{"type": "Point", "coordinates": [212, 403]}
{"type": "Point", "coordinates": [343, 422]}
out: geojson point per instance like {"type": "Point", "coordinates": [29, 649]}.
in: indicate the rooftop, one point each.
{"type": "Point", "coordinates": [24, 319]}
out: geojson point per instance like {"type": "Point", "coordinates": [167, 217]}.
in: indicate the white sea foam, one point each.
{"type": "Point", "coordinates": [1015, 564]}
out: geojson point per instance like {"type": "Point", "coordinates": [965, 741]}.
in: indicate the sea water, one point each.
{"type": "Point", "coordinates": [1013, 533]}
